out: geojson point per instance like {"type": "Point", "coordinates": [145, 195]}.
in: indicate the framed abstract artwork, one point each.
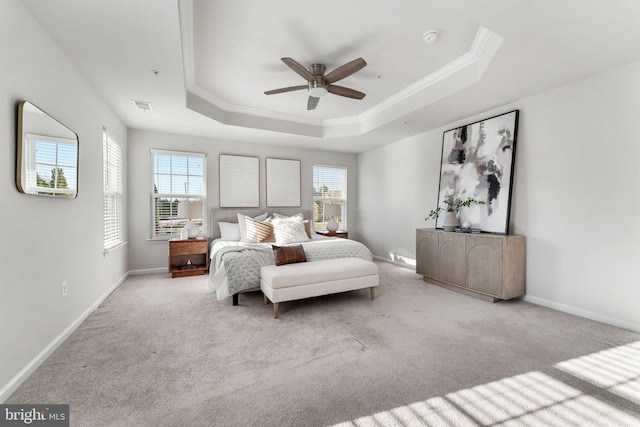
{"type": "Point", "coordinates": [283, 183]}
{"type": "Point", "coordinates": [477, 162]}
{"type": "Point", "coordinates": [239, 181]}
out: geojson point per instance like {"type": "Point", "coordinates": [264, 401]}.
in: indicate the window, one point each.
{"type": "Point", "coordinates": [176, 177]}
{"type": "Point", "coordinates": [53, 166]}
{"type": "Point", "coordinates": [113, 192]}
{"type": "Point", "coordinates": [329, 187]}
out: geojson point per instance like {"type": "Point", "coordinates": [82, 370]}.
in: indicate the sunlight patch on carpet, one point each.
{"type": "Point", "coordinates": [531, 399]}
{"type": "Point", "coordinates": [616, 370]}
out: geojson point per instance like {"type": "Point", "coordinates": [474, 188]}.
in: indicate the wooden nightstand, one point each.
{"type": "Point", "coordinates": [183, 251]}
{"type": "Point", "coordinates": [340, 233]}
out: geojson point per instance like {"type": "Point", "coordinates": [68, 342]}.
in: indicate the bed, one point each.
{"type": "Point", "coordinates": [235, 265]}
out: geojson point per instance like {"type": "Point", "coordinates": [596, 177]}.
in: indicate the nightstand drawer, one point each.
{"type": "Point", "coordinates": [187, 247]}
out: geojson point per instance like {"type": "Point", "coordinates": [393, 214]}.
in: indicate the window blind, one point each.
{"type": "Point", "coordinates": [176, 177]}
{"type": "Point", "coordinates": [113, 212]}
{"type": "Point", "coordinates": [329, 187]}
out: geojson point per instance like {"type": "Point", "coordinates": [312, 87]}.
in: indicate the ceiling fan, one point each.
{"type": "Point", "coordinates": [319, 84]}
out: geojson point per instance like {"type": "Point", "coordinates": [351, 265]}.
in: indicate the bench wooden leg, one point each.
{"type": "Point", "coordinates": [373, 293]}
{"type": "Point", "coordinates": [275, 310]}
{"type": "Point", "coordinates": [235, 299]}
{"type": "Point", "coordinates": [266, 300]}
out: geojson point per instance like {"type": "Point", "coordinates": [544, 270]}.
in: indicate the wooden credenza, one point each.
{"type": "Point", "coordinates": [487, 265]}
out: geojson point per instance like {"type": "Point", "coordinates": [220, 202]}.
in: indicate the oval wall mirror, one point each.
{"type": "Point", "coordinates": [47, 154]}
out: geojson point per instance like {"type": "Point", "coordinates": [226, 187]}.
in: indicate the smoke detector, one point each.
{"type": "Point", "coordinates": [431, 36]}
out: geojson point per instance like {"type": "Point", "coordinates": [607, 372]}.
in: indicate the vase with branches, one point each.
{"type": "Point", "coordinates": [452, 207]}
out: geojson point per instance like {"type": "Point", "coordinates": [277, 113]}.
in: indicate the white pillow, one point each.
{"type": "Point", "coordinates": [229, 231]}
{"type": "Point", "coordinates": [277, 215]}
{"type": "Point", "coordinates": [289, 230]}
{"type": "Point", "coordinates": [248, 231]}
{"type": "Point", "coordinates": [252, 232]}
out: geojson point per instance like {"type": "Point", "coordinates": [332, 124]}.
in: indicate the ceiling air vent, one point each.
{"type": "Point", "coordinates": [143, 105]}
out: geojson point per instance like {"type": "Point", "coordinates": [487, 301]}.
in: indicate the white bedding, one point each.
{"type": "Point", "coordinates": [235, 266]}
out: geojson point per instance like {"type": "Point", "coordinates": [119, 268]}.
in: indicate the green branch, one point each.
{"type": "Point", "coordinates": [453, 206]}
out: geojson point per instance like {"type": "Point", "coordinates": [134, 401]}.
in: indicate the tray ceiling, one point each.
{"type": "Point", "coordinates": [216, 58]}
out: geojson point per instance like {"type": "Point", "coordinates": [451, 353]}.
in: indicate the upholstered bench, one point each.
{"type": "Point", "coordinates": [311, 279]}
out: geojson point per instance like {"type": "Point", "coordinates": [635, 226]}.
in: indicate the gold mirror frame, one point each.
{"type": "Point", "coordinates": [47, 154]}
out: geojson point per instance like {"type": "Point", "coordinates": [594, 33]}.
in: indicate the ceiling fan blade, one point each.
{"type": "Point", "coordinates": [345, 70]}
{"type": "Point", "coordinates": [286, 89]}
{"type": "Point", "coordinates": [345, 91]}
{"type": "Point", "coordinates": [299, 69]}
{"type": "Point", "coordinates": [312, 103]}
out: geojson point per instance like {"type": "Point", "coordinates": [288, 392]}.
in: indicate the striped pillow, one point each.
{"type": "Point", "coordinates": [264, 232]}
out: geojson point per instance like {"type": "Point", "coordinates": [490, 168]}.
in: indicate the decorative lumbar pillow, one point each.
{"type": "Point", "coordinates": [264, 232]}
{"type": "Point", "coordinates": [289, 254]}
{"type": "Point", "coordinates": [247, 227]}
{"type": "Point", "coordinates": [289, 230]}
{"type": "Point", "coordinates": [229, 231]}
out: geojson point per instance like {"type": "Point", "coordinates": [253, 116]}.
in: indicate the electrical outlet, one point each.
{"type": "Point", "coordinates": [64, 288]}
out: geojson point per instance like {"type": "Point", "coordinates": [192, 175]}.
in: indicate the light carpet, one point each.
{"type": "Point", "coordinates": [165, 352]}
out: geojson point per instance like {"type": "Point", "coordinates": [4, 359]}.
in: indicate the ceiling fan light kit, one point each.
{"type": "Point", "coordinates": [318, 84]}
{"type": "Point", "coordinates": [317, 89]}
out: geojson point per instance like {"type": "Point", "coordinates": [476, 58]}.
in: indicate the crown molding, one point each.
{"type": "Point", "coordinates": [462, 72]}
{"type": "Point", "coordinates": [466, 60]}
{"type": "Point", "coordinates": [185, 17]}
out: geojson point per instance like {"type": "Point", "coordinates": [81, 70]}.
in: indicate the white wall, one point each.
{"type": "Point", "coordinates": [147, 255]}
{"type": "Point", "coordinates": [46, 240]}
{"type": "Point", "coordinates": [575, 197]}
{"type": "Point", "coordinates": [576, 194]}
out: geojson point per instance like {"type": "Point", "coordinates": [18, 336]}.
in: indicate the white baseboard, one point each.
{"type": "Point", "coordinates": [583, 313]}
{"type": "Point", "coordinates": [15, 382]}
{"type": "Point", "coordinates": [620, 323]}
{"type": "Point", "coordinates": [148, 271]}
{"type": "Point", "coordinates": [399, 264]}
